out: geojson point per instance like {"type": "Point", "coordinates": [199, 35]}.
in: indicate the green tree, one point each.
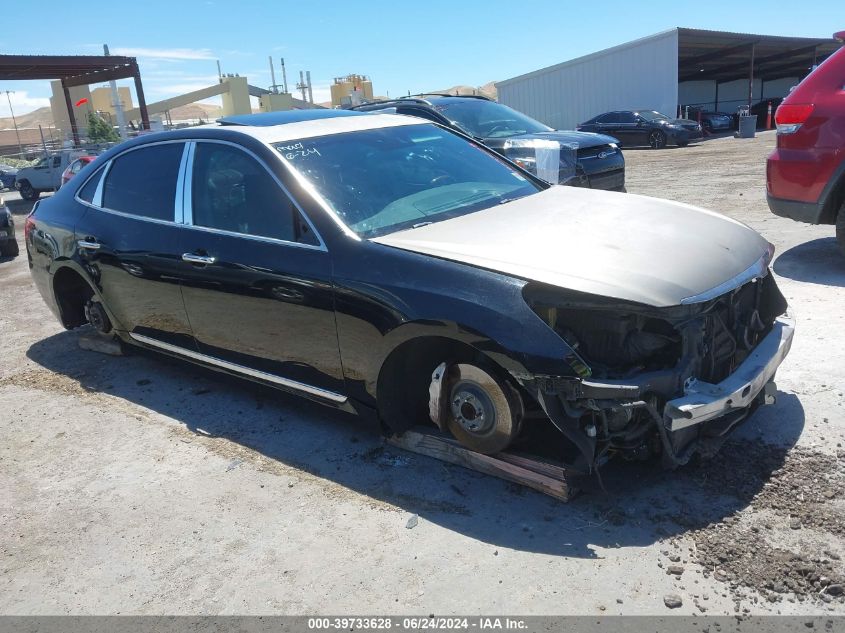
{"type": "Point", "coordinates": [99, 131]}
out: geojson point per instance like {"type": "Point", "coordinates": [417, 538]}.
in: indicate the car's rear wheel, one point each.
{"type": "Point", "coordinates": [656, 139]}
{"type": "Point", "coordinates": [483, 413]}
{"type": "Point", "coordinates": [28, 192]}
{"type": "Point", "coordinates": [840, 228]}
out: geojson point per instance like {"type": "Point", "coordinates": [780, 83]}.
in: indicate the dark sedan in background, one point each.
{"type": "Point", "coordinates": [717, 121]}
{"type": "Point", "coordinates": [644, 127]}
{"type": "Point", "coordinates": [598, 162]}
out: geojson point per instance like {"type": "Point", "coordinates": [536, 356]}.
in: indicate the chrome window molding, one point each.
{"type": "Point", "coordinates": [188, 201]}
{"type": "Point", "coordinates": [182, 204]}
{"type": "Point", "coordinates": [257, 238]}
{"type": "Point", "coordinates": [97, 200]}
{"type": "Point", "coordinates": [179, 202]}
{"type": "Point", "coordinates": [240, 369]}
{"type": "Point", "coordinates": [188, 186]}
{"type": "Point", "coordinates": [102, 172]}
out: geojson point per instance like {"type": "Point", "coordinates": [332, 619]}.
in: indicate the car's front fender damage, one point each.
{"type": "Point", "coordinates": [644, 381]}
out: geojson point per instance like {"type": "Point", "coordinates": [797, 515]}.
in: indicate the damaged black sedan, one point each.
{"type": "Point", "coordinates": [385, 265]}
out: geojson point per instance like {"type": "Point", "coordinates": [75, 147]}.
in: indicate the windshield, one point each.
{"type": "Point", "coordinates": [388, 179]}
{"type": "Point", "coordinates": [652, 115]}
{"type": "Point", "coordinates": [487, 119]}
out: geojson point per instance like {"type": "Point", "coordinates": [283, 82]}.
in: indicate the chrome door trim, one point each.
{"type": "Point", "coordinates": [93, 246]}
{"type": "Point", "coordinates": [240, 369]}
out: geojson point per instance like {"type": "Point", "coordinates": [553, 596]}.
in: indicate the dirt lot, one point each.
{"type": "Point", "coordinates": [142, 485]}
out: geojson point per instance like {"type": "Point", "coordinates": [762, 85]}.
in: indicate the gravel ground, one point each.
{"type": "Point", "coordinates": [143, 485]}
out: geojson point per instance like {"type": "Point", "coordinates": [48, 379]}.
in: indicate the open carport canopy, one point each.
{"type": "Point", "coordinates": [720, 56]}
{"type": "Point", "coordinates": [75, 70]}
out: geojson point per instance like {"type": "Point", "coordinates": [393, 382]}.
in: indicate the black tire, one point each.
{"type": "Point", "coordinates": [840, 228]}
{"type": "Point", "coordinates": [10, 248]}
{"type": "Point", "coordinates": [484, 414]}
{"type": "Point", "coordinates": [28, 193]}
{"type": "Point", "coordinates": [656, 139]}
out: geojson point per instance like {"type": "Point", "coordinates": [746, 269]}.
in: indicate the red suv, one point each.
{"type": "Point", "coordinates": [805, 175]}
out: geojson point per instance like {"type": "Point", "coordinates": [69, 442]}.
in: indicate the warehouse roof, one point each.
{"type": "Point", "coordinates": [724, 56]}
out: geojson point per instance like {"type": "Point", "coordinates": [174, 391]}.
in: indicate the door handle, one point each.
{"type": "Point", "coordinates": [92, 246]}
{"type": "Point", "coordinates": [193, 258]}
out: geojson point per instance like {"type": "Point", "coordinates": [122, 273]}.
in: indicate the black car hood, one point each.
{"type": "Point", "coordinates": [582, 139]}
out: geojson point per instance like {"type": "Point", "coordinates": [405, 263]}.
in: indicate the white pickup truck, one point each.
{"type": "Point", "coordinates": [46, 174]}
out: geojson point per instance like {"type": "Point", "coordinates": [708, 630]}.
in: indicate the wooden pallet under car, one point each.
{"type": "Point", "coordinates": [537, 474]}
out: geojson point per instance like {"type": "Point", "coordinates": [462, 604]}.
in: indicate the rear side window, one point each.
{"type": "Point", "coordinates": [90, 188]}
{"type": "Point", "coordinates": [143, 181]}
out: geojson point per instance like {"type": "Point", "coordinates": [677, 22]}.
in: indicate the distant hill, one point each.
{"type": "Point", "coordinates": [41, 116]}
{"type": "Point", "coordinates": [192, 111]}
{"type": "Point", "coordinates": [44, 116]}
{"type": "Point", "coordinates": [487, 90]}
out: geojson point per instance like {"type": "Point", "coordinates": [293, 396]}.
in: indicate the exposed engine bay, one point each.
{"type": "Point", "coordinates": [651, 381]}
{"type": "Point", "coordinates": [634, 362]}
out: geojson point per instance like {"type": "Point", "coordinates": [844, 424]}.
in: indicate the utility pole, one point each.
{"type": "Point", "coordinates": [302, 86]}
{"type": "Point", "coordinates": [14, 121]}
{"type": "Point", "coordinates": [310, 91]}
{"type": "Point", "coordinates": [115, 102]}
{"type": "Point", "coordinates": [273, 87]}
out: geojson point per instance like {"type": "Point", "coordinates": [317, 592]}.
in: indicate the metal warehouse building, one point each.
{"type": "Point", "coordinates": [687, 67]}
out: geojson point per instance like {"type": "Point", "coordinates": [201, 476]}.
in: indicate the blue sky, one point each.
{"type": "Point", "coordinates": [404, 46]}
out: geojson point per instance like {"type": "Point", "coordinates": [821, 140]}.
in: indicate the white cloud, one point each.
{"type": "Point", "coordinates": [170, 54]}
{"type": "Point", "coordinates": [22, 103]}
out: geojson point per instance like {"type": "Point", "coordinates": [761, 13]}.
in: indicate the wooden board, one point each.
{"type": "Point", "coordinates": [94, 342]}
{"type": "Point", "coordinates": [539, 475]}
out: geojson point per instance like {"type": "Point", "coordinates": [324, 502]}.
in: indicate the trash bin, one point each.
{"type": "Point", "coordinates": [747, 126]}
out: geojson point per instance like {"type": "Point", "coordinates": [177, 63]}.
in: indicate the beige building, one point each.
{"type": "Point", "coordinates": [102, 102]}
{"type": "Point", "coordinates": [352, 88]}
{"type": "Point", "coordinates": [60, 116]}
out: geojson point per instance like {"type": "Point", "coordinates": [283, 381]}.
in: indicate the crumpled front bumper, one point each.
{"type": "Point", "coordinates": [703, 401]}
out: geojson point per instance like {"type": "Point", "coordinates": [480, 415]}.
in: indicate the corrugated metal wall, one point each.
{"type": "Point", "coordinates": [640, 74]}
